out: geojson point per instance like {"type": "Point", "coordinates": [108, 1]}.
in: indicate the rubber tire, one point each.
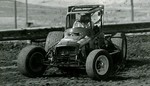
{"type": "Point", "coordinates": [124, 48]}
{"type": "Point", "coordinates": [90, 64]}
{"type": "Point", "coordinates": [121, 44]}
{"type": "Point", "coordinates": [52, 39]}
{"type": "Point", "coordinates": [25, 61]}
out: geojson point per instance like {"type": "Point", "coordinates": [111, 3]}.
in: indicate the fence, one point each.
{"type": "Point", "coordinates": [42, 32]}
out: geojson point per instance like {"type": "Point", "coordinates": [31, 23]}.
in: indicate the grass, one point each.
{"type": "Point", "coordinates": [55, 16]}
{"type": "Point", "coordinates": [39, 15]}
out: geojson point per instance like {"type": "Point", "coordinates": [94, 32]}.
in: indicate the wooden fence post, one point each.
{"type": "Point", "coordinates": [15, 11]}
{"type": "Point", "coordinates": [132, 11]}
{"type": "Point", "coordinates": [26, 13]}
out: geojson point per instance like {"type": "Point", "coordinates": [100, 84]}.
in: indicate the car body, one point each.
{"type": "Point", "coordinates": [82, 45]}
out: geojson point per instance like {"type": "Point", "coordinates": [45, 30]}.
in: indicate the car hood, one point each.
{"type": "Point", "coordinates": [74, 37]}
{"type": "Point", "coordinates": [68, 42]}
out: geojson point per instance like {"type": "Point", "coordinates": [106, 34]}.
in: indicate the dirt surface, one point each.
{"type": "Point", "coordinates": [136, 71]}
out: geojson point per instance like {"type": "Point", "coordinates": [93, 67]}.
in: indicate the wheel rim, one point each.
{"type": "Point", "coordinates": [101, 65]}
{"type": "Point", "coordinates": [36, 62]}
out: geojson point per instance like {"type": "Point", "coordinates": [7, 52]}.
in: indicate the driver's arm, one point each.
{"type": "Point", "coordinates": [84, 40]}
{"type": "Point", "coordinates": [77, 24]}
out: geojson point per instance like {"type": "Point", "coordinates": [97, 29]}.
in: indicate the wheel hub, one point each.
{"type": "Point", "coordinates": [36, 61]}
{"type": "Point", "coordinates": [102, 65]}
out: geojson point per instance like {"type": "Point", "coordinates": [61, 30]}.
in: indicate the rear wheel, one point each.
{"type": "Point", "coordinates": [99, 64]}
{"type": "Point", "coordinates": [120, 41]}
{"type": "Point", "coordinates": [124, 48]}
{"type": "Point", "coordinates": [31, 61]}
{"type": "Point", "coordinates": [52, 39]}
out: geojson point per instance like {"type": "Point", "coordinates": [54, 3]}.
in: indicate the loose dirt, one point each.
{"type": "Point", "coordinates": [136, 71]}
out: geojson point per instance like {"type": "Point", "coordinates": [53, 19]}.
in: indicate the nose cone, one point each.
{"type": "Point", "coordinates": [68, 42]}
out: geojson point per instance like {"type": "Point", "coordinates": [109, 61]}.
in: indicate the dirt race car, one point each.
{"type": "Point", "coordinates": [82, 45]}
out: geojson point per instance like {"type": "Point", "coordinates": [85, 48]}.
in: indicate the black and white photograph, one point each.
{"type": "Point", "coordinates": [74, 42]}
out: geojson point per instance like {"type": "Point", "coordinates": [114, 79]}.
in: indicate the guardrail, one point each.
{"type": "Point", "coordinates": [133, 27]}
{"type": "Point", "coordinates": [28, 33]}
{"type": "Point", "coordinates": [42, 32]}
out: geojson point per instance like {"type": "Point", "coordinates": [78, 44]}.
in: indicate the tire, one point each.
{"type": "Point", "coordinates": [124, 48]}
{"type": "Point", "coordinates": [30, 61]}
{"type": "Point", "coordinates": [93, 64]}
{"type": "Point", "coordinates": [121, 42]}
{"type": "Point", "coordinates": [52, 39]}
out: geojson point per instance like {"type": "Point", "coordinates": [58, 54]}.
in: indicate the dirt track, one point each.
{"type": "Point", "coordinates": [136, 72]}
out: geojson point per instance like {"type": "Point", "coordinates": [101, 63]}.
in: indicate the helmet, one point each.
{"type": "Point", "coordinates": [85, 18]}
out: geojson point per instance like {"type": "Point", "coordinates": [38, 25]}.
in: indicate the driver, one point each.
{"type": "Point", "coordinates": [83, 22]}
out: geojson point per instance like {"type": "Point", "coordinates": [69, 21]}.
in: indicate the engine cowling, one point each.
{"type": "Point", "coordinates": [71, 45]}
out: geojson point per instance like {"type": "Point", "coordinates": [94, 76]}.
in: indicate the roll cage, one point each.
{"type": "Point", "coordinates": [73, 11]}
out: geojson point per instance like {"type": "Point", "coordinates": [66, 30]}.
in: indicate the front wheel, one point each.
{"type": "Point", "coordinates": [31, 61]}
{"type": "Point", "coordinates": [99, 64]}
